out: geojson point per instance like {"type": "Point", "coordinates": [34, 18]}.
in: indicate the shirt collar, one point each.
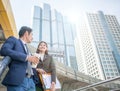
{"type": "Point", "coordinates": [23, 41]}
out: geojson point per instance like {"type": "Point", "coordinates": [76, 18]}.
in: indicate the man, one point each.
{"type": "Point", "coordinates": [19, 76]}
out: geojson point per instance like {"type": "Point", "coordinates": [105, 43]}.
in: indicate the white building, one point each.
{"type": "Point", "coordinates": [98, 49]}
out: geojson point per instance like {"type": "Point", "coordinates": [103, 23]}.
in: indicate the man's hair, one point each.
{"type": "Point", "coordinates": [23, 29]}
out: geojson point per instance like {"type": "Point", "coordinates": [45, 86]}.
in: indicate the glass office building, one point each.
{"type": "Point", "coordinates": [52, 27]}
{"type": "Point", "coordinates": [100, 46]}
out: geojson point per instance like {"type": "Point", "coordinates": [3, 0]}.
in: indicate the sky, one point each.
{"type": "Point", "coordinates": [73, 9]}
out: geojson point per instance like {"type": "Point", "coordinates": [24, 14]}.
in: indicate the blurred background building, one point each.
{"type": "Point", "coordinates": [93, 55]}
{"type": "Point", "coordinates": [54, 28]}
{"type": "Point", "coordinates": [98, 46]}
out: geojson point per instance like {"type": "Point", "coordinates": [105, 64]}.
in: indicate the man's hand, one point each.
{"type": "Point", "coordinates": [33, 59]}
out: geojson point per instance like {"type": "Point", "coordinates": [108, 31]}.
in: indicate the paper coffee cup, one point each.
{"type": "Point", "coordinates": [37, 55]}
{"type": "Point", "coordinates": [34, 65]}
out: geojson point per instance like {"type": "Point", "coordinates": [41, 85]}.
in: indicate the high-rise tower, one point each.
{"type": "Point", "coordinates": [53, 28]}
{"type": "Point", "coordinates": [99, 46]}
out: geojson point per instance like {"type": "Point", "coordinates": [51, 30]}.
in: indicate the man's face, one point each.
{"type": "Point", "coordinates": [29, 37]}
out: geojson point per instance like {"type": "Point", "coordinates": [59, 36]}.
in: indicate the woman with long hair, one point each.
{"type": "Point", "coordinates": [45, 65]}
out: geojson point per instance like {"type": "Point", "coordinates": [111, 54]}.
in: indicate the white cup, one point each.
{"type": "Point", "coordinates": [34, 65]}
{"type": "Point", "coordinates": [37, 55]}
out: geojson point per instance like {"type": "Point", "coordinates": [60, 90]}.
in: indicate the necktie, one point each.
{"type": "Point", "coordinates": [29, 70]}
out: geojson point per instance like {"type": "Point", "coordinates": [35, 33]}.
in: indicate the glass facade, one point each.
{"type": "Point", "coordinates": [52, 27]}
{"type": "Point", "coordinates": [99, 38]}
{"type": "Point", "coordinates": [37, 25]}
{"type": "Point", "coordinates": [46, 24]}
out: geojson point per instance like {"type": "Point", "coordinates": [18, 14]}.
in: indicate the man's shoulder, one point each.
{"type": "Point", "coordinates": [12, 38]}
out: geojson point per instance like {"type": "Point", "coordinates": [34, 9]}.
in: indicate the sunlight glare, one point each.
{"type": "Point", "coordinates": [73, 17]}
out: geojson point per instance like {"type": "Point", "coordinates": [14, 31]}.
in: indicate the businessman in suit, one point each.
{"type": "Point", "coordinates": [19, 76]}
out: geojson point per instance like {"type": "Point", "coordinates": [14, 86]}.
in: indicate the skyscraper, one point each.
{"type": "Point", "coordinates": [52, 27]}
{"type": "Point", "coordinates": [99, 46]}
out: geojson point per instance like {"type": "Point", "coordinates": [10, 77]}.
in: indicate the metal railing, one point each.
{"type": "Point", "coordinates": [102, 83]}
{"type": "Point", "coordinates": [5, 61]}
{"type": "Point", "coordinates": [3, 64]}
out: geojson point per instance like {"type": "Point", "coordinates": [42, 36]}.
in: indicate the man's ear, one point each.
{"type": "Point", "coordinates": [26, 33]}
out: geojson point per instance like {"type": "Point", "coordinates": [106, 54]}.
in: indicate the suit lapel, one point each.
{"type": "Point", "coordinates": [22, 46]}
{"type": "Point", "coordinates": [45, 57]}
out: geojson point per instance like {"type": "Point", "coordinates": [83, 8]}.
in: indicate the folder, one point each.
{"type": "Point", "coordinates": [46, 80]}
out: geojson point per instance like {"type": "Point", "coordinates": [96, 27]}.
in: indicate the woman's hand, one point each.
{"type": "Point", "coordinates": [40, 71]}
{"type": "Point", "coordinates": [52, 88]}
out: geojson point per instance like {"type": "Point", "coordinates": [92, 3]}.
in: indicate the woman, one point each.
{"type": "Point", "coordinates": [46, 65]}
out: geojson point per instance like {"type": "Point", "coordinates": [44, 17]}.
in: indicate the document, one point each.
{"type": "Point", "coordinates": [47, 81]}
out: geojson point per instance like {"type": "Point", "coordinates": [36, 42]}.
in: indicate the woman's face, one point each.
{"type": "Point", "coordinates": [42, 47]}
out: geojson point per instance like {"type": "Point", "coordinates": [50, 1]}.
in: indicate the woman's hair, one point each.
{"type": "Point", "coordinates": [37, 51]}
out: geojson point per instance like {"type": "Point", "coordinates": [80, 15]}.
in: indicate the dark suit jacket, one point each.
{"type": "Point", "coordinates": [49, 66]}
{"type": "Point", "coordinates": [17, 68]}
